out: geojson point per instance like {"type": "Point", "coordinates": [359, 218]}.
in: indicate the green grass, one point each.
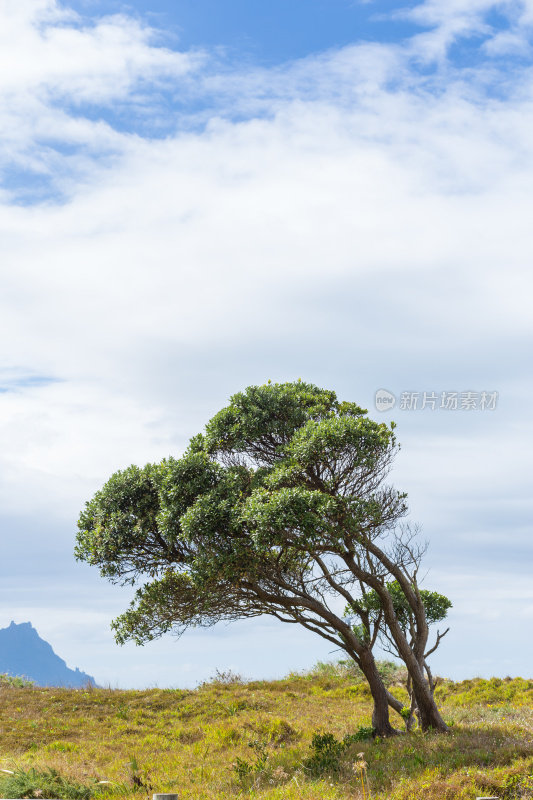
{"type": "Point", "coordinates": [230, 739]}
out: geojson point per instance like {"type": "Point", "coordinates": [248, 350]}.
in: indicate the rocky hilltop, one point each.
{"type": "Point", "coordinates": [24, 653]}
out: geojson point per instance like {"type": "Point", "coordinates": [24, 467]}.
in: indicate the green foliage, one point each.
{"type": "Point", "coordinates": [436, 605]}
{"type": "Point", "coordinates": [240, 506]}
{"type": "Point", "coordinates": [261, 421]}
{"type": "Point", "coordinates": [517, 786]}
{"type": "Point", "coordinates": [279, 504]}
{"type": "Point", "coordinates": [337, 670]}
{"type": "Point", "coordinates": [391, 673]}
{"type": "Point", "coordinates": [278, 731]}
{"type": "Point", "coordinates": [62, 747]}
{"type": "Point", "coordinates": [226, 677]}
{"type": "Point", "coordinates": [15, 681]}
{"type": "Point", "coordinates": [32, 783]}
{"type": "Point", "coordinates": [138, 776]}
{"type": "Point", "coordinates": [327, 752]}
{"type": "Point", "coordinates": [244, 769]}
{"type": "Point", "coordinates": [489, 692]}
{"type": "Point", "coordinates": [361, 735]}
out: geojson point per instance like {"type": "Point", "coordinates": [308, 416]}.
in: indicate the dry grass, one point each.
{"type": "Point", "coordinates": [190, 741]}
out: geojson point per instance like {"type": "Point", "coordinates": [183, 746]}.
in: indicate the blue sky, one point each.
{"type": "Point", "coordinates": [267, 33]}
{"type": "Point", "coordinates": [196, 197]}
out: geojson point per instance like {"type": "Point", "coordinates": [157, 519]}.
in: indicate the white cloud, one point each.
{"type": "Point", "coordinates": [362, 221]}
{"type": "Point", "coordinates": [511, 43]}
{"type": "Point", "coordinates": [56, 440]}
{"type": "Point", "coordinates": [451, 21]}
{"type": "Point", "coordinates": [211, 236]}
{"type": "Point", "coordinates": [53, 63]}
{"type": "Point", "coordinates": [51, 51]}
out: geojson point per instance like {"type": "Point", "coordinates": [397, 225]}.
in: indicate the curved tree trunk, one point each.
{"type": "Point", "coordinates": [380, 714]}
{"type": "Point", "coordinates": [398, 706]}
{"type": "Point", "coordinates": [428, 713]}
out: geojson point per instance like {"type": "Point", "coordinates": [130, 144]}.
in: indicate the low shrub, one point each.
{"type": "Point", "coordinates": [16, 682]}
{"type": "Point", "coordinates": [391, 672]}
{"type": "Point", "coordinates": [32, 783]}
{"type": "Point", "coordinates": [328, 753]}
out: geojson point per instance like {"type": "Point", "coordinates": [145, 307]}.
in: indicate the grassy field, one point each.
{"type": "Point", "coordinates": [230, 738]}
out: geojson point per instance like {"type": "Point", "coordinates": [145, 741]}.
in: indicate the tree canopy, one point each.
{"type": "Point", "coordinates": [279, 508]}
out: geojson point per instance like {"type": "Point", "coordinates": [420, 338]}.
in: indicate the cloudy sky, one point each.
{"type": "Point", "coordinates": [199, 195]}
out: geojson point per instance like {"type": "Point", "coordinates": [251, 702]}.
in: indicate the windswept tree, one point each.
{"type": "Point", "coordinates": [279, 508]}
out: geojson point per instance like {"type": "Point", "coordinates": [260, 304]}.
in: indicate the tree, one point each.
{"type": "Point", "coordinates": [279, 508]}
{"type": "Point", "coordinates": [436, 608]}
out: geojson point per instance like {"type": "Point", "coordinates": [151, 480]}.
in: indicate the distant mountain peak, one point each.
{"type": "Point", "coordinates": [23, 653]}
{"type": "Point", "coordinates": [24, 628]}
